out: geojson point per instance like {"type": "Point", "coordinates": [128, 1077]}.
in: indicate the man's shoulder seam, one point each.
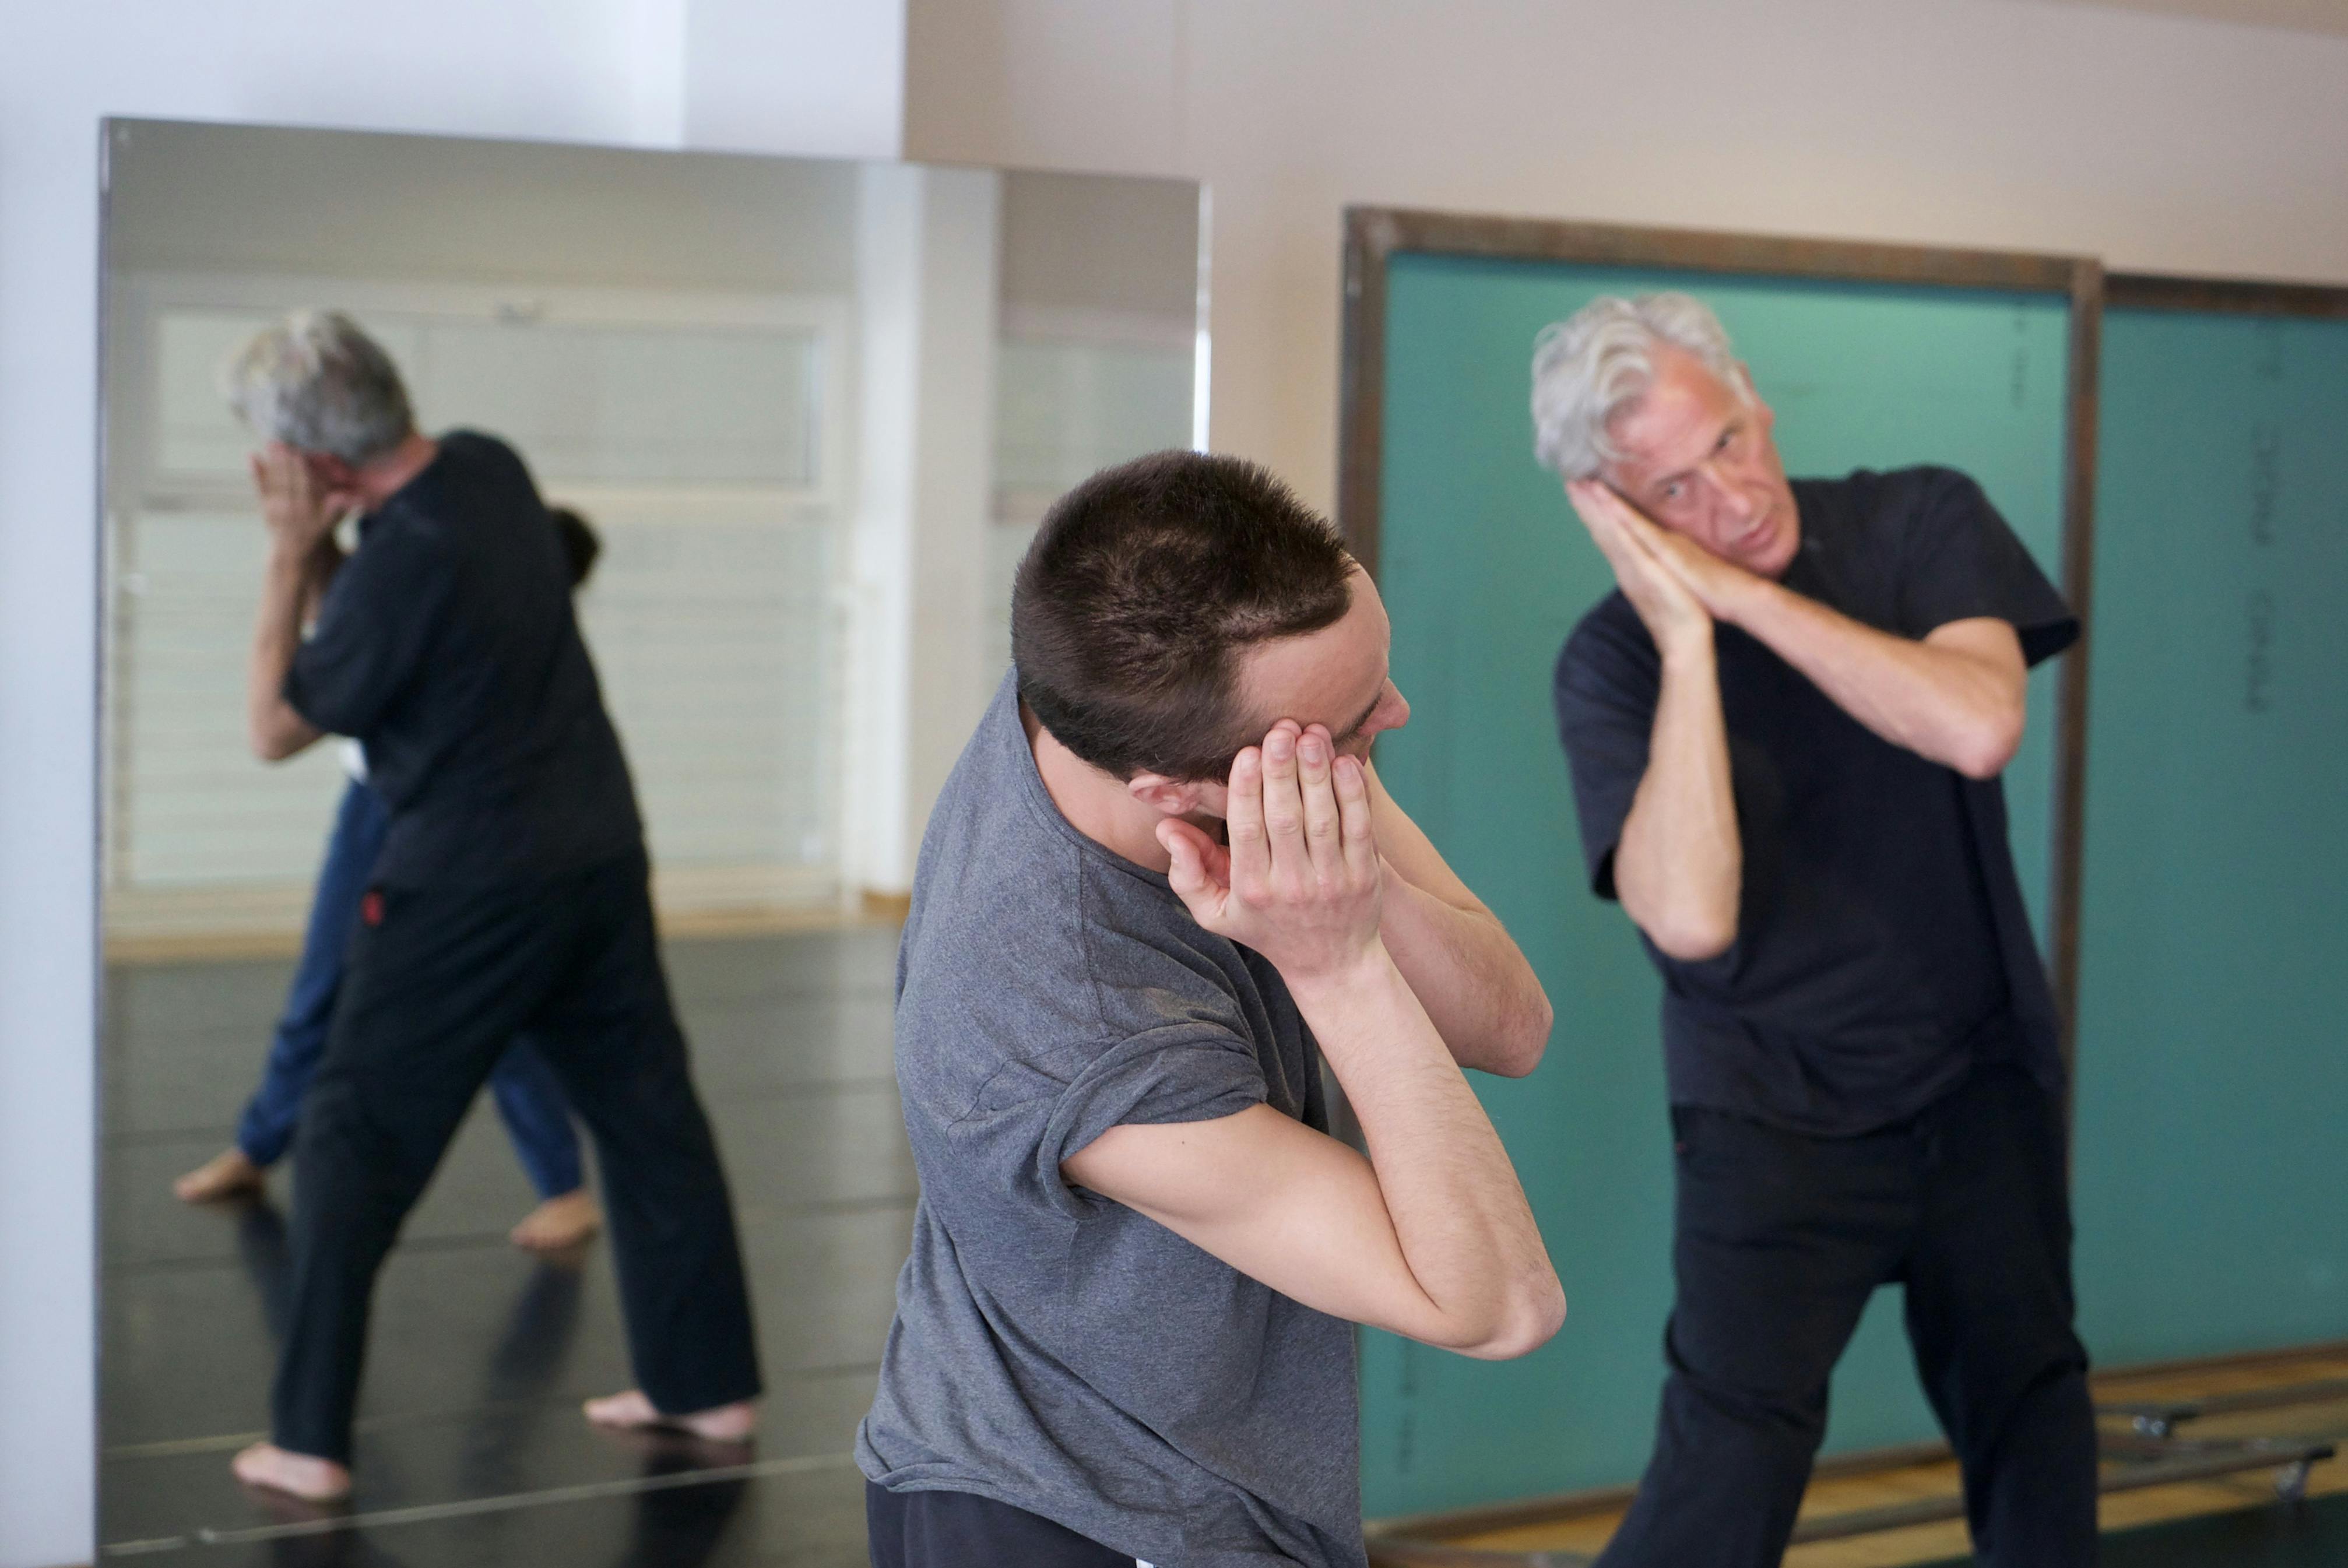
{"type": "Point", "coordinates": [1097, 1046]}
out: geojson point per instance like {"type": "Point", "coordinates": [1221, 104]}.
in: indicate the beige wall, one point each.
{"type": "Point", "coordinates": [2153, 140]}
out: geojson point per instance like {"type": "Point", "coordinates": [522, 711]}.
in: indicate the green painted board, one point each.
{"type": "Point", "coordinates": [2212, 1127]}
{"type": "Point", "coordinates": [1484, 569]}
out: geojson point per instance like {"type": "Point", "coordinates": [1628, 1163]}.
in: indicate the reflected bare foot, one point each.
{"type": "Point", "coordinates": [632, 1411]}
{"type": "Point", "coordinates": [305, 1476]}
{"type": "Point", "coordinates": [224, 1175]}
{"type": "Point", "coordinates": [560, 1222]}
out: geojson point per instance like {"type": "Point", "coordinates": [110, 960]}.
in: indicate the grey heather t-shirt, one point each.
{"type": "Point", "coordinates": [1051, 1349]}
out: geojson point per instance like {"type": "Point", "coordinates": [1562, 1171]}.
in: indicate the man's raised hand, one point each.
{"type": "Point", "coordinates": [1300, 879]}
{"type": "Point", "coordinates": [1720, 584]}
{"type": "Point", "coordinates": [1673, 615]}
{"type": "Point", "coordinates": [298, 511]}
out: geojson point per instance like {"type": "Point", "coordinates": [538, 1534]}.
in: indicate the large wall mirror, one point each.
{"type": "Point", "coordinates": [812, 410]}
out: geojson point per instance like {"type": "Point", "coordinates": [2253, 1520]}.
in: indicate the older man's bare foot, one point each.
{"type": "Point", "coordinates": [305, 1476]}
{"type": "Point", "coordinates": [224, 1175]}
{"type": "Point", "coordinates": [720, 1423]}
{"type": "Point", "coordinates": [560, 1222]}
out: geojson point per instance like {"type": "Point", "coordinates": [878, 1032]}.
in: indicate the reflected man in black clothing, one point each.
{"type": "Point", "coordinates": [1785, 732]}
{"type": "Point", "coordinates": [511, 893]}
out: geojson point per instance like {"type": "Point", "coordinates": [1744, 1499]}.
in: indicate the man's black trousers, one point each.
{"type": "Point", "coordinates": [438, 983]}
{"type": "Point", "coordinates": [1780, 1240]}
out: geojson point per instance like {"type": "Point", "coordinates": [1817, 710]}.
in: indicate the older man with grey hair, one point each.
{"type": "Point", "coordinates": [1785, 732]}
{"type": "Point", "coordinates": [511, 894]}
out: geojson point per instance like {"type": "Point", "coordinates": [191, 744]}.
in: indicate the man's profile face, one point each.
{"type": "Point", "coordinates": [1699, 459]}
{"type": "Point", "coordinates": [1335, 677]}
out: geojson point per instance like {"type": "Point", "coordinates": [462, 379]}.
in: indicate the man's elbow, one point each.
{"type": "Point", "coordinates": [279, 736]}
{"type": "Point", "coordinates": [1988, 744]}
{"type": "Point", "coordinates": [1525, 1039]}
{"type": "Point", "coordinates": [1690, 923]}
{"type": "Point", "coordinates": [1528, 1323]}
{"type": "Point", "coordinates": [1692, 937]}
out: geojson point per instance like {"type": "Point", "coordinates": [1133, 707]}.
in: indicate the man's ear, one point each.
{"type": "Point", "coordinates": [1169, 797]}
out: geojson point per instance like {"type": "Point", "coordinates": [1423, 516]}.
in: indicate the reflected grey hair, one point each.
{"type": "Point", "coordinates": [1597, 362]}
{"type": "Point", "coordinates": [317, 383]}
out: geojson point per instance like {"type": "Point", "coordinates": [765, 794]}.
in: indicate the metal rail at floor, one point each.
{"type": "Point", "coordinates": [2148, 1453]}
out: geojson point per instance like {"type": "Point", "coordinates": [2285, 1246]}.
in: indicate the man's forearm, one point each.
{"type": "Point", "coordinates": [1944, 704]}
{"type": "Point", "coordinates": [1679, 866]}
{"type": "Point", "coordinates": [276, 731]}
{"type": "Point", "coordinates": [1485, 999]}
{"type": "Point", "coordinates": [1470, 975]}
{"type": "Point", "coordinates": [1458, 1211]}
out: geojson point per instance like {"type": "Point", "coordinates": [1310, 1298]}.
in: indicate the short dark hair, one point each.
{"type": "Point", "coordinates": [579, 545]}
{"type": "Point", "coordinates": [1142, 588]}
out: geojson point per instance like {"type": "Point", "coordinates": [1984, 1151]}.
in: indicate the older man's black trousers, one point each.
{"type": "Point", "coordinates": [438, 981]}
{"type": "Point", "coordinates": [1781, 1238]}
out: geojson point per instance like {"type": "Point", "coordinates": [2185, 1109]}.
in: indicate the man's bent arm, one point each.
{"type": "Point", "coordinates": [276, 730]}
{"type": "Point", "coordinates": [1485, 1001]}
{"type": "Point", "coordinates": [1432, 1237]}
{"type": "Point", "coordinates": [1429, 1237]}
{"type": "Point", "coordinates": [1957, 698]}
{"type": "Point", "coordinates": [1678, 865]}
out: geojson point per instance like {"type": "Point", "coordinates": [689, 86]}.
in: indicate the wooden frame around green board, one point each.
{"type": "Point", "coordinates": [1374, 234]}
{"type": "Point", "coordinates": [2160, 290]}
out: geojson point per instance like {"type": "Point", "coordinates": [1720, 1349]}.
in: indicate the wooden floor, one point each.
{"type": "Point", "coordinates": [1588, 1531]}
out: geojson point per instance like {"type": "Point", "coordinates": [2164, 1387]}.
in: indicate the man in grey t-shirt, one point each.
{"type": "Point", "coordinates": [1162, 883]}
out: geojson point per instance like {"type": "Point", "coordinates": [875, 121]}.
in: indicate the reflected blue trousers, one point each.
{"type": "Point", "coordinates": [527, 1095]}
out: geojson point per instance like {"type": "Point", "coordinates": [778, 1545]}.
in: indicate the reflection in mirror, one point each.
{"type": "Point", "coordinates": [811, 411]}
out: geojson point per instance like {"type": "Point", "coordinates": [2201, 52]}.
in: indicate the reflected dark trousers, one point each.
{"type": "Point", "coordinates": [1781, 1240]}
{"type": "Point", "coordinates": [439, 980]}
{"type": "Point", "coordinates": [527, 1095]}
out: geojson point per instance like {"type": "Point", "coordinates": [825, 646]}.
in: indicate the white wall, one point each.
{"type": "Point", "coordinates": [816, 77]}
{"type": "Point", "coordinates": [2153, 140]}
{"type": "Point", "coordinates": [590, 70]}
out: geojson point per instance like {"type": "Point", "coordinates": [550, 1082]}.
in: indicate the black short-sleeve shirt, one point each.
{"type": "Point", "coordinates": [447, 647]}
{"type": "Point", "coordinates": [1882, 948]}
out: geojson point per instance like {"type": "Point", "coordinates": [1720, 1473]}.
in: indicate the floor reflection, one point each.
{"type": "Point", "coordinates": [471, 1448]}
{"type": "Point", "coordinates": [523, 1371]}
{"type": "Point", "coordinates": [680, 1528]}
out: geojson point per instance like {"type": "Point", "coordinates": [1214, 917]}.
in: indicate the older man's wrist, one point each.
{"type": "Point", "coordinates": [1743, 598]}
{"type": "Point", "coordinates": [1690, 645]}
{"type": "Point", "coordinates": [291, 561]}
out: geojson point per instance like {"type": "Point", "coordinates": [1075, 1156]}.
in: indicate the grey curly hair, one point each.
{"type": "Point", "coordinates": [1597, 362]}
{"type": "Point", "coordinates": [317, 383]}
